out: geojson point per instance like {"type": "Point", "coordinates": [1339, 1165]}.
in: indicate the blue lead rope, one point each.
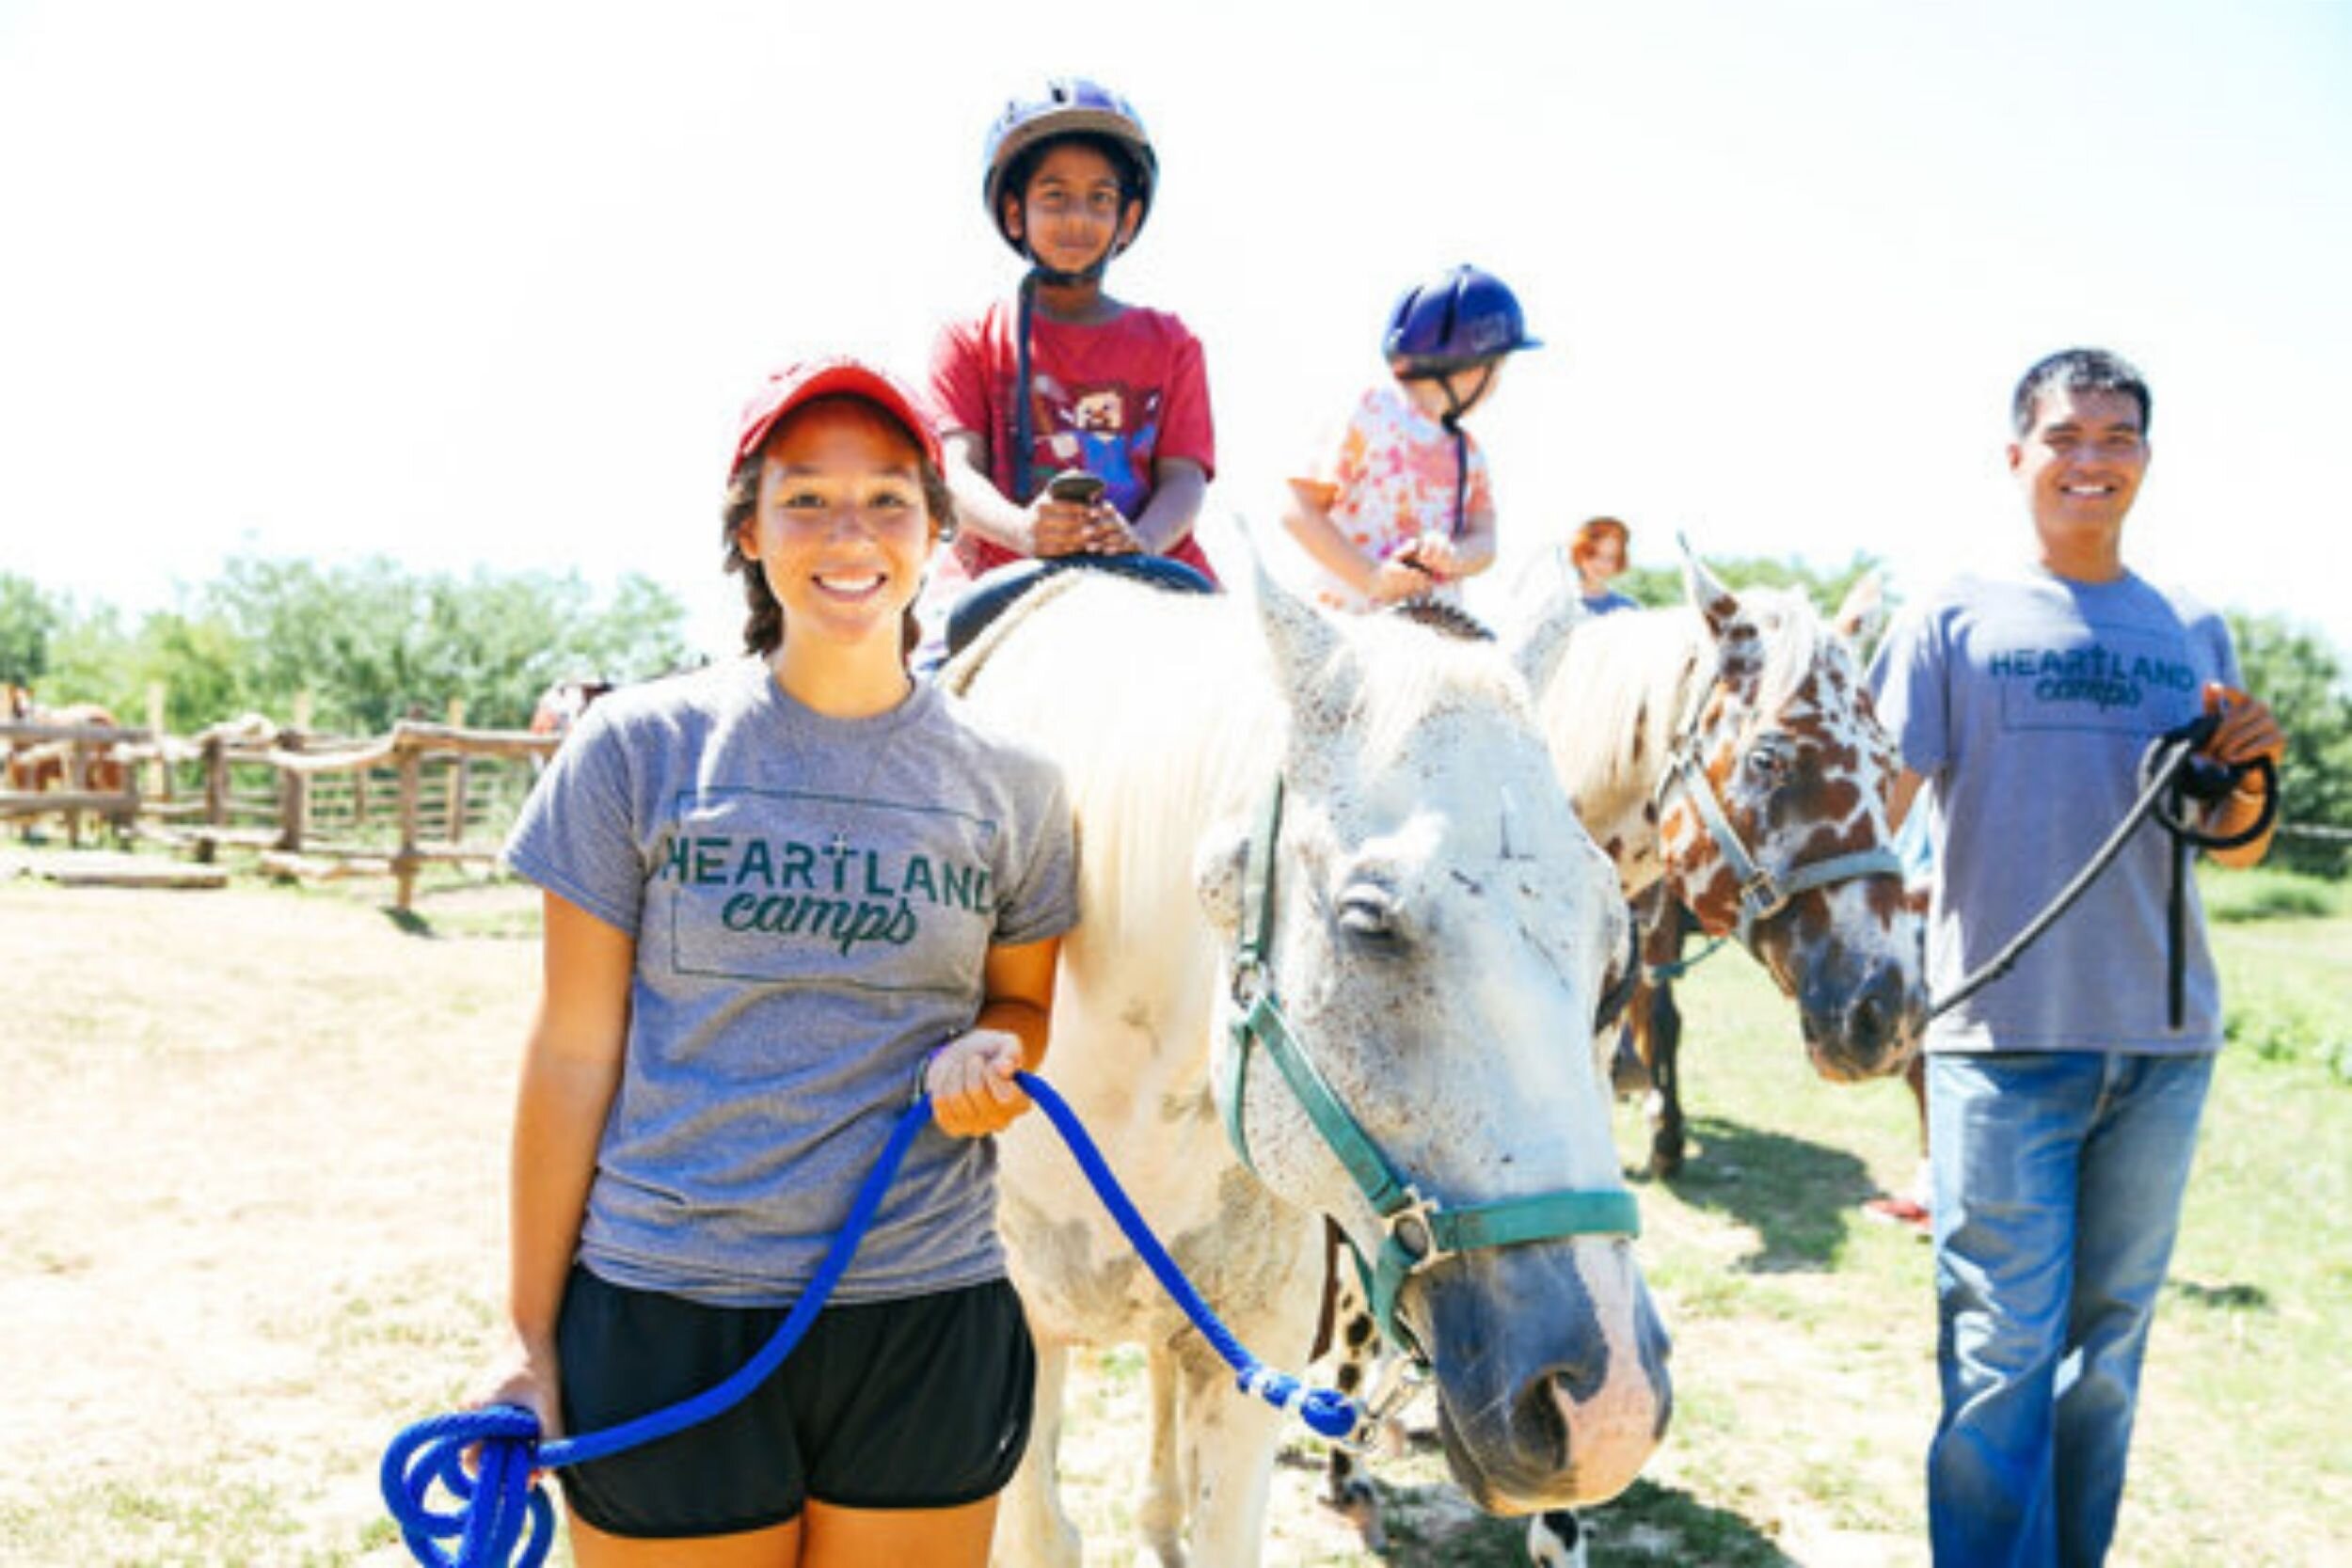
{"type": "Point", "coordinates": [502, 1515]}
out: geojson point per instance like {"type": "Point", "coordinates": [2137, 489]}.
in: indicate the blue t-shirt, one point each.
{"type": "Point", "coordinates": [1608, 601]}
{"type": "Point", "coordinates": [2026, 701]}
{"type": "Point", "coordinates": [813, 900]}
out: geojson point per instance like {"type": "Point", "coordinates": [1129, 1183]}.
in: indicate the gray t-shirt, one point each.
{"type": "Point", "coordinates": [813, 900]}
{"type": "Point", "coordinates": [2026, 701]}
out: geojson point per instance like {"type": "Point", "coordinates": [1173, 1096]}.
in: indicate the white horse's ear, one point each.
{"type": "Point", "coordinates": [1537, 641]}
{"type": "Point", "coordinates": [1863, 612]}
{"type": "Point", "coordinates": [1738, 641]}
{"type": "Point", "coordinates": [1306, 647]}
{"type": "Point", "coordinates": [1217, 869]}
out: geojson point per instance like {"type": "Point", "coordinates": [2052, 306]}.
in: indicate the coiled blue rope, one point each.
{"type": "Point", "coordinates": [501, 1516]}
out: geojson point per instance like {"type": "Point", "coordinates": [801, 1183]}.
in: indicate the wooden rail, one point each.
{"type": "Point", "coordinates": [425, 828]}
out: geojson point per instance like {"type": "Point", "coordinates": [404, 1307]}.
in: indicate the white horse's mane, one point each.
{"type": "Point", "coordinates": [1197, 729]}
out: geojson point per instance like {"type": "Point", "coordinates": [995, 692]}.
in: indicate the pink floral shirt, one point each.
{"type": "Point", "coordinates": [1394, 471]}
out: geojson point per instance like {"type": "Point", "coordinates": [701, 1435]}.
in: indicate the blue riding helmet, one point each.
{"type": "Point", "coordinates": [1460, 318]}
{"type": "Point", "coordinates": [1072, 106]}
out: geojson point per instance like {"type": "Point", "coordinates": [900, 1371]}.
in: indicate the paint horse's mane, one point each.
{"type": "Point", "coordinates": [1622, 676]}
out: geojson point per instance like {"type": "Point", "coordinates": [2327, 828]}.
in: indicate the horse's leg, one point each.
{"type": "Point", "coordinates": [1666, 1143]}
{"type": "Point", "coordinates": [1229, 1441]}
{"type": "Point", "coordinates": [1032, 1532]}
{"type": "Point", "coordinates": [1160, 1516]}
{"type": "Point", "coordinates": [1659, 1027]}
{"type": "Point", "coordinates": [1346, 1485]}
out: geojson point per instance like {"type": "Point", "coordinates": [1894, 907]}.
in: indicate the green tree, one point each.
{"type": "Point", "coordinates": [1662, 585]}
{"type": "Point", "coordinates": [373, 644]}
{"type": "Point", "coordinates": [89, 661]}
{"type": "Point", "coordinates": [2295, 669]}
{"type": "Point", "coordinates": [27, 621]}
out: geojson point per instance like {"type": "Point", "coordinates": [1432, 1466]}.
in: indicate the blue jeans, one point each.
{"type": "Point", "coordinates": [2058, 1181]}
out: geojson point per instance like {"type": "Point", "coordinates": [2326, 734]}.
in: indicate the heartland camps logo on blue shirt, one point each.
{"type": "Point", "coordinates": [2043, 688]}
{"type": "Point", "coordinates": [837, 892]}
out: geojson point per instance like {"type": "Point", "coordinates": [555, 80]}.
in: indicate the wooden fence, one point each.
{"type": "Point", "coordinates": [308, 805]}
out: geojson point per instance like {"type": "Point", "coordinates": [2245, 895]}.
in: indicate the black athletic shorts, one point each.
{"type": "Point", "coordinates": [923, 1403]}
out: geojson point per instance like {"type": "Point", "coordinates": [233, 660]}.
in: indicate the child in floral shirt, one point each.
{"type": "Point", "coordinates": [1399, 507]}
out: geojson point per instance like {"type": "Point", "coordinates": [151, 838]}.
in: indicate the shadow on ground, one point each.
{"type": "Point", "coordinates": [1799, 1196]}
{"type": "Point", "coordinates": [1432, 1526]}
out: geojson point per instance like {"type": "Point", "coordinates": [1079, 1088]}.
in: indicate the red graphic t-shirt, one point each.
{"type": "Point", "coordinates": [1112, 398]}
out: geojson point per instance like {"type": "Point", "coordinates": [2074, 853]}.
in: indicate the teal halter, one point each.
{"type": "Point", "coordinates": [1763, 892]}
{"type": "Point", "coordinates": [1421, 1230]}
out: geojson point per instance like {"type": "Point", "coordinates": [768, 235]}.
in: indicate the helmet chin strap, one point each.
{"type": "Point", "coordinates": [1054, 277]}
{"type": "Point", "coordinates": [1456, 409]}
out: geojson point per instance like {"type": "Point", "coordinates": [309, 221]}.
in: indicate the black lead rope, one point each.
{"type": "Point", "coordinates": [2173, 772]}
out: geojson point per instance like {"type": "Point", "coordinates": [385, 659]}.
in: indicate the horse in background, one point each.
{"type": "Point", "coordinates": [37, 767]}
{"type": "Point", "coordinates": [1726, 754]}
{"type": "Point", "coordinates": [1437, 923]}
{"type": "Point", "coordinates": [560, 705]}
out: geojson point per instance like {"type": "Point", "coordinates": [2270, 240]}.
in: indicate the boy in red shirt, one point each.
{"type": "Point", "coordinates": [1063, 378]}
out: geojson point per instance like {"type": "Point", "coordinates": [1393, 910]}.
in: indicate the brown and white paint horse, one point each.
{"type": "Point", "coordinates": [1727, 756]}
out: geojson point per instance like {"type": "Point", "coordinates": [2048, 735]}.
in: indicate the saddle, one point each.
{"type": "Point", "coordinates": [996, 592]}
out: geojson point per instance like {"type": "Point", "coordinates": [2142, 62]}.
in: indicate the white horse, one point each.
{"type": "Point", "coordinates": [1436, 925]}
{"type": "Point", "coordinates": [1725, 755]}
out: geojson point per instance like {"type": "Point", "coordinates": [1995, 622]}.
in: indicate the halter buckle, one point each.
{"type": "Point", "coordinates": [1250, 984]}
{"type": "Point", "coordinates": [1412, 1225]}
{"type": "Point", "coordinates": [1400, 1381]}
{"type": "Point", "coordinates": [1760, 896]}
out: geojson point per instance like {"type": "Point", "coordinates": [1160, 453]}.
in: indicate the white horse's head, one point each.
{"type": "Point", "coordinates": [1438, 925]}
{"type": "Point", "coordinates": [1790, 770]}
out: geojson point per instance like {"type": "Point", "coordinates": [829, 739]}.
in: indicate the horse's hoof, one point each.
{"type": "Point", "coordinates": [1556, 1540]}
{"type": "Point", "coordinates": [1359, 1505]}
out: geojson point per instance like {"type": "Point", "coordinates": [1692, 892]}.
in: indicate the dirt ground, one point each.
{"type": "Point", "coordinates": [251, 1182]}
{"type": "Point", "coordinates": [250, 1212]}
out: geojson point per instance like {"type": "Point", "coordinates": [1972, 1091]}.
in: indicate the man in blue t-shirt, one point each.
{"type": "Point", "coordinates": [2063, 1099]}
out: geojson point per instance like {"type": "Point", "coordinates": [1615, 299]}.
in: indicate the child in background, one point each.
{"type": "Point", "coordinates": [1064, 377]}
{"type": "Point", "coordinates": [1400, 507]}
{"type": "Point", "coordinates": [1586, 563]}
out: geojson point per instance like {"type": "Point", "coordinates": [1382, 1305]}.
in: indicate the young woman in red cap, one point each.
{"type": "Point", "coordinates": [779, 893]}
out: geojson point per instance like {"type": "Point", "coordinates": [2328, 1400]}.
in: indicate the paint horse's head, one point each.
{"type": "Point", "coordinates": [1420, 925]}
{"type": "Point", "coordinates": [1773, 824]}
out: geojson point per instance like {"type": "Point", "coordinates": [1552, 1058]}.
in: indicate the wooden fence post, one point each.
{"type": "Point", "coordinates": [294, 785]}
{"type": "Point", "coordinates": [453, 799]}
{"type": "Point", "coordinates": [216, 796]}
{"type": "Point", "coordinates": [155, 732]}
{"type": "Point", "coordinates": [405, 861]}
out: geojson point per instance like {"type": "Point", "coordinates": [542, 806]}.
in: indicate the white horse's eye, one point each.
{"type": "Point", "coordinates": [1369, 912]}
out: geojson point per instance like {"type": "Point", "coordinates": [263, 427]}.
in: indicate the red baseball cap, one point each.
{"type": "Point", "coordinates": [838, 376]}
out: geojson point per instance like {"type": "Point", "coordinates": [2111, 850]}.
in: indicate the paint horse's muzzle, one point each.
{"type": "Point", "coordinates": [1862, 1019]}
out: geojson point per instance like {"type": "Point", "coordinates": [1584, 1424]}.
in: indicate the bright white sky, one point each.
{"type": "Point", "coordinates": [477, 283]}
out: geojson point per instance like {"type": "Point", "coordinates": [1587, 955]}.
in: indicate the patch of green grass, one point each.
{"type": "Point", "coordinates": [2286, 990]}
{"type": "Point", "coordinates": [2260, 892]}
